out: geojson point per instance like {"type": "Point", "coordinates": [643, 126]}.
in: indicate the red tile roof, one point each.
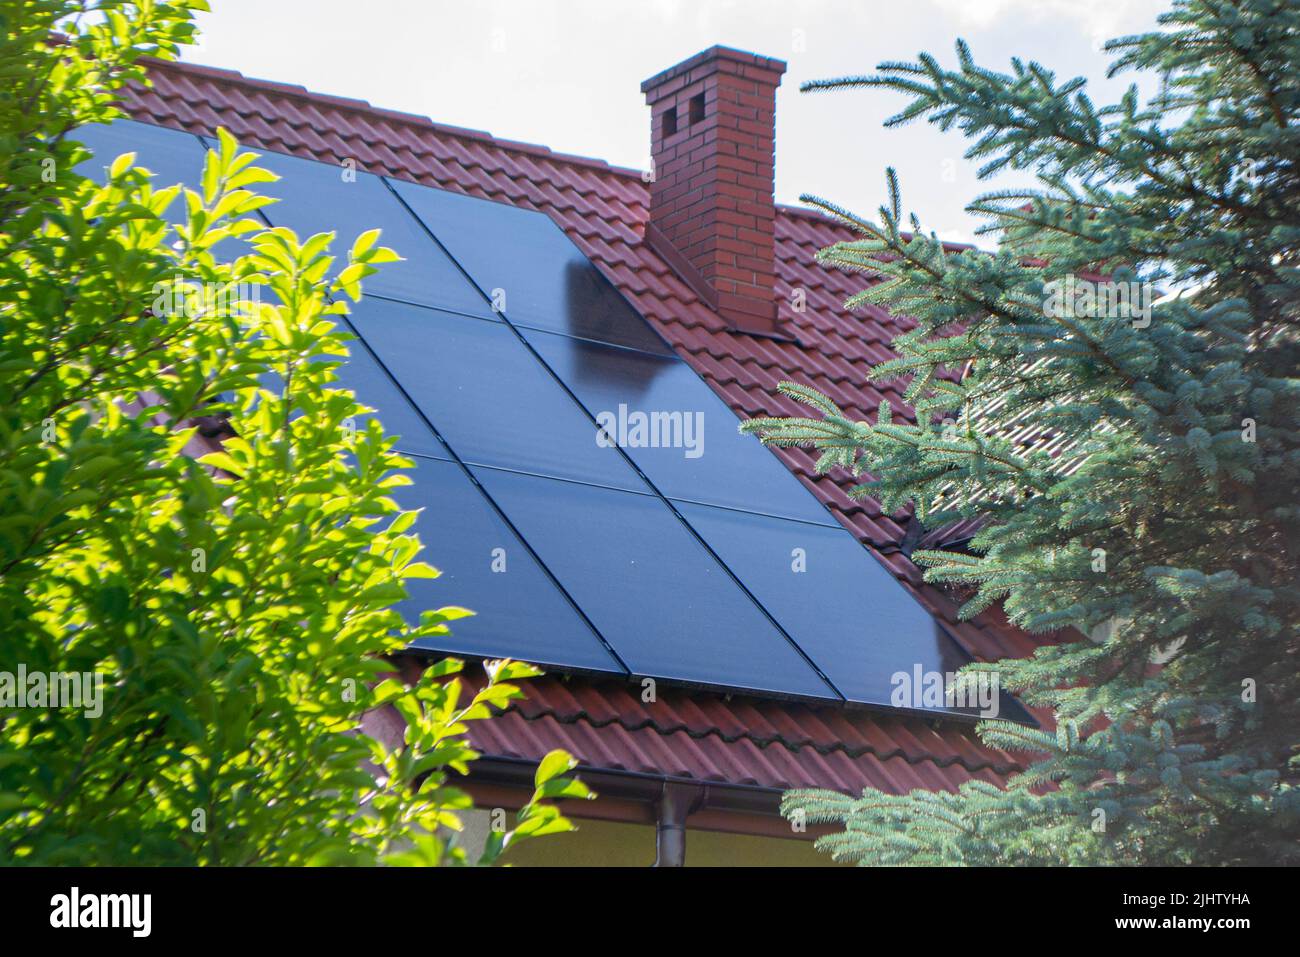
{"type": "Point", "coordinates": [730, 739]}
{"type": "Point", "coordinates": [604, 209]}
{"type": "Point", "coordinates": [740, 741]}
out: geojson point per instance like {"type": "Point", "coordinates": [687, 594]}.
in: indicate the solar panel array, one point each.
{"type": "Point", "coordinates": [581, 487]}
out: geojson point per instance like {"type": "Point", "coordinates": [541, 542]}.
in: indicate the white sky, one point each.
{"type": "Point", "coordinates": [567, 73]}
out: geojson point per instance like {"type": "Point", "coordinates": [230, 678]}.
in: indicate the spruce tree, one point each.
{"type": "Point", "coordinates": [1140, 312]}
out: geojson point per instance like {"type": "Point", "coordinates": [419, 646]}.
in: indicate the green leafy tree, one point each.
{"type": "Point", "coordinates": [238, 606]}
{"type": "Point", "coordinates": [1141, 311]}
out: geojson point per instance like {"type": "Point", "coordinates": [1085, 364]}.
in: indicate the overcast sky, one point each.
{"type": "Point", "coordinates": [567, 73]}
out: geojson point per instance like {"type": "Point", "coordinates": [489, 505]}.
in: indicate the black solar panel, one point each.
{"type": "Point", "coordinates": [321, 197]}
{"type": "Point", "coordinates": [656, 595]}
{"type": "Point", "coordinates": [520, 613]}
{"type": "Point", "coordinates": [678, 432]}
{"type": "Point", "coordinates": [534, 272]}
{"type": "Point", "coordinates": [172, 156]}
{"type": "Point", "coordinates": [375, 388]}
{"type": "Point", "coordinates": [847, 613]}
{"type": "Point", "coordinates": [487, 395]}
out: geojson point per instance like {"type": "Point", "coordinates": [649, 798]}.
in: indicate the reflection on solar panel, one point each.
{"type": "Point", "coordinates": [534, 272]}
{"type": "Point", "coordinates": [487, 395]}
{"type": "Point", "coordinates": [678, 432]}
{"type": "Point", "coordinates": [845, 611]}
{"type": "Point", "coordinates": [172, 156]}
{"type": "Point", "coordinates": [317, 197]}
{"type": "Point", "coordinates": [519, 611]}
{"type": "Point", "coordinates": [717, 568]}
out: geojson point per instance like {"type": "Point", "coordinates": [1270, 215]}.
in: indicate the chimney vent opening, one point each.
{"type": "Point", "coordinates": [697, 109]}
{"type": "Point", "coordinates": [670, 121]}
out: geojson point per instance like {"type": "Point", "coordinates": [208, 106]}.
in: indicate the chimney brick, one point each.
{"type": "Point", "coordinates": [712, 212]}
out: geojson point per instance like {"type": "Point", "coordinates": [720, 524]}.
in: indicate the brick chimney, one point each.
{"type": "Point", "coordinates": [712, 212]}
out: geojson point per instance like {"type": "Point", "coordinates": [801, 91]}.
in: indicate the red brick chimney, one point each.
{"type": "Point", "coordinates": [712, 213]}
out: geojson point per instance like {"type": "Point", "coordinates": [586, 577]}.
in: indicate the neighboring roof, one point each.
{"type": "Point", "coordinates": [603, 209]}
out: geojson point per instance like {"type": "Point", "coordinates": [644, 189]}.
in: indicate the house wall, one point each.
{"type": "Point", "coordinates": [602, 843]}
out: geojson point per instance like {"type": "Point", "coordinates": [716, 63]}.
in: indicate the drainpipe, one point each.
{"type": "Point", "coordinates": [676, 802]}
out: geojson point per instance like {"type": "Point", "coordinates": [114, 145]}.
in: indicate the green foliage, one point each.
{"type": "Point", "coordinates": [238, 605]}
{"type": "Point", "coordinates": [1167, 528]}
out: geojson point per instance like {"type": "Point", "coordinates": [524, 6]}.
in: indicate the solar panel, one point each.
{"type": "Point", "coordinates": [322, 197]}
{"type": "Point", "coordinates": [487, 395]}
{"type": "Point", "coordinates": [172, 156]}
{"type": "Point", "coordinates": [375, 387]}
{"type": "Point", "coordinates": [654, 593]}
{"type": "Point", "coordinates": [678, 432]}
{"type": "Point", "coordinates": [847, 613]}
{"type": "Point", "coordinates": [530, 267]}
{"type": "Point", "coordinates": [520, 613]}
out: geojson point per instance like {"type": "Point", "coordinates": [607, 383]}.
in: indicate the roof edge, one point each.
{"type": "Point", "coordinates": [301, 93]}
{"type": "Point", "coordinates": [417, 121]}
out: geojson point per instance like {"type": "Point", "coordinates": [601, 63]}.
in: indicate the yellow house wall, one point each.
{"type": "Point", "coordinates": [615, 844]}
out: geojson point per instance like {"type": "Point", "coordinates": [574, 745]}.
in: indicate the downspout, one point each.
{"type": "Point", "coordinates": [676, 802]}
